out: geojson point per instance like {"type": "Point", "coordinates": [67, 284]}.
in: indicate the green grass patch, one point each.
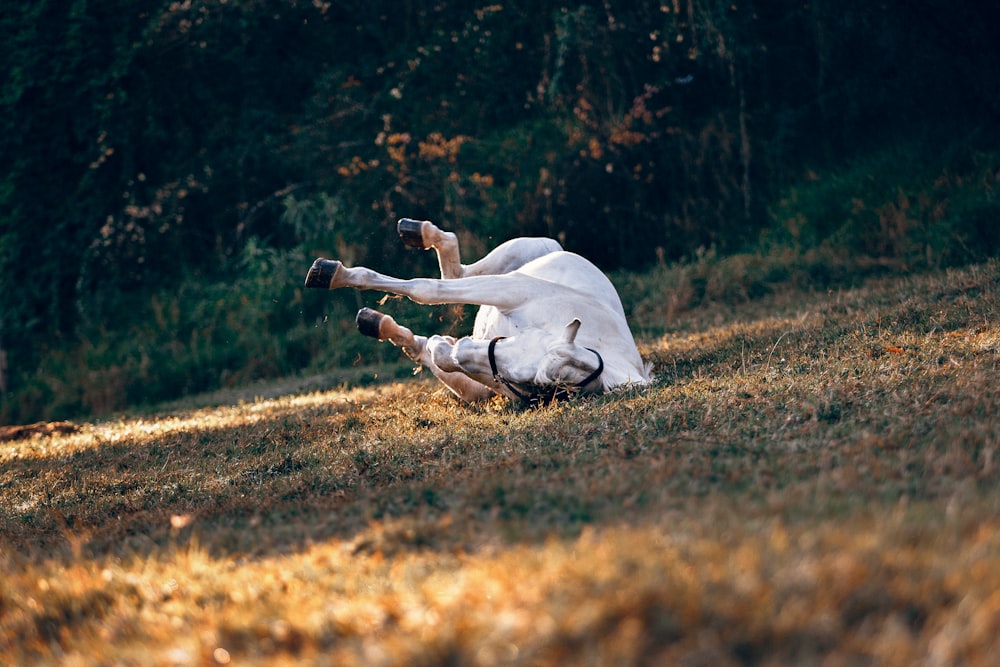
{"type": "Point", "coordinates": [914, 204]}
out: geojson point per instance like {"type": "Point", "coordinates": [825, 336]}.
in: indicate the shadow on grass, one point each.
{"type": "Point", "coordinates": [389, 472]}
{"type": "Point", "coordinates": [405, 469]}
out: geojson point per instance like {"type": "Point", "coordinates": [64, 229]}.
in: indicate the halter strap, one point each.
{"type": "Point", "coordinates": [535, 399]}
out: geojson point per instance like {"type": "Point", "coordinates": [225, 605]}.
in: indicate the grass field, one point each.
{"type": "Point", "coordinates": [813, 479]}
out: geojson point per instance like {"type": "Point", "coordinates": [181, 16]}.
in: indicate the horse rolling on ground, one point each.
{"type": "Point", "coordinates": [550, 323]}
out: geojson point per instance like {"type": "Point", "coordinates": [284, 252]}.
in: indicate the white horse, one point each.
{"type": "Point", "coordinates": [550, 323]}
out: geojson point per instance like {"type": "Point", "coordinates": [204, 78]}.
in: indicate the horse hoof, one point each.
{"type": "Point", "coordinates": [411, 231]}
{"type": "Point", "coordinates": [322, 273]}
{"type": "Point", "coordinates": [369, 321]}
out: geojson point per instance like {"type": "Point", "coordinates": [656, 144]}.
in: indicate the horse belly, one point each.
{"type": "Point", "coordinates": [490, 322]}
{"type": "Point", "coordinates": [572, 270]}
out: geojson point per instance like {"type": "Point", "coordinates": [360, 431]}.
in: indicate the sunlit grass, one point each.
{"type": "Point", "coordinates": [813, 476]}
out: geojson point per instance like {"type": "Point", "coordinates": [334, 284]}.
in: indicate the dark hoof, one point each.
{"type": "Point", "coordinates": [411, 231]}
{"type": "Point", "coordinates": [368, 322]}
{"type": "Point", "coordinates": [322, 272]}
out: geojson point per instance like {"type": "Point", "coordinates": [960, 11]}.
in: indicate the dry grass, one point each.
{"type": "Point", "coordinates": [813, 480]}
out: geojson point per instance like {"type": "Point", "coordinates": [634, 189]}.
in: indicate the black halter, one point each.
{"type": "Point", "coordinates": [540, 394]}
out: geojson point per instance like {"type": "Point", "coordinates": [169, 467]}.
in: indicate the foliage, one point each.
{"type": "Point", "coordinates": [890, 205]}
{"type": "Point", "coordinates": [150, 146]}
{"type": "Point", "coordinates": [812, 479]}
{"type": "Point", "coordinates": [199, 337]}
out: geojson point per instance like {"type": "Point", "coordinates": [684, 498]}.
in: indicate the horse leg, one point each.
{"type": "Point", "coordinates": [424, 235]}
{"type": "Point", "coordinates": [377, 325]}
{"type": "Point", "coordinates": [506, 291]}
{"type": "Point", "coordinates": [506, 257]}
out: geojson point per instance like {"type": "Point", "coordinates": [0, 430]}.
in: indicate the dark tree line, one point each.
{"type": "Point", "coordinates": [149, 142]}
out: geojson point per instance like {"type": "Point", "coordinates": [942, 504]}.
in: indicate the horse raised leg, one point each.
{"type": "Point", "coordinates": [507, 257]}
{"type": "Point", "coordinates": [505, 291]}
{"type": "Point", "coordinates": [382, 327]}
{"type": "Point", "coordinates": [424, 235]}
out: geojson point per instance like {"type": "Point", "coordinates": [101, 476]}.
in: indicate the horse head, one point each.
{"type": "Point", "coordinates": [532, 366]}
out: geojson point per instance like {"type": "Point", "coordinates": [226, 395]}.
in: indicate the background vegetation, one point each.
{"type": "Point", "coordinates": [170, 168]}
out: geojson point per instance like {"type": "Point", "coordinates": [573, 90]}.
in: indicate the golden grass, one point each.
{"type": "Point", "coordinates": [813, 479]}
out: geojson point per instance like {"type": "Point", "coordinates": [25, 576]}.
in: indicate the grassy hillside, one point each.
{"type": "Point", "coordinates": [813, 476]}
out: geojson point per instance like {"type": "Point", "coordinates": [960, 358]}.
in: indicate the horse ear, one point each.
{"type": "Point", "coordinates": [569, 334]}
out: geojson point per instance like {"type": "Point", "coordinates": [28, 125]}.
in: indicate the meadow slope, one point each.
{"type": "Point", "coordinates": [813, 478]}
